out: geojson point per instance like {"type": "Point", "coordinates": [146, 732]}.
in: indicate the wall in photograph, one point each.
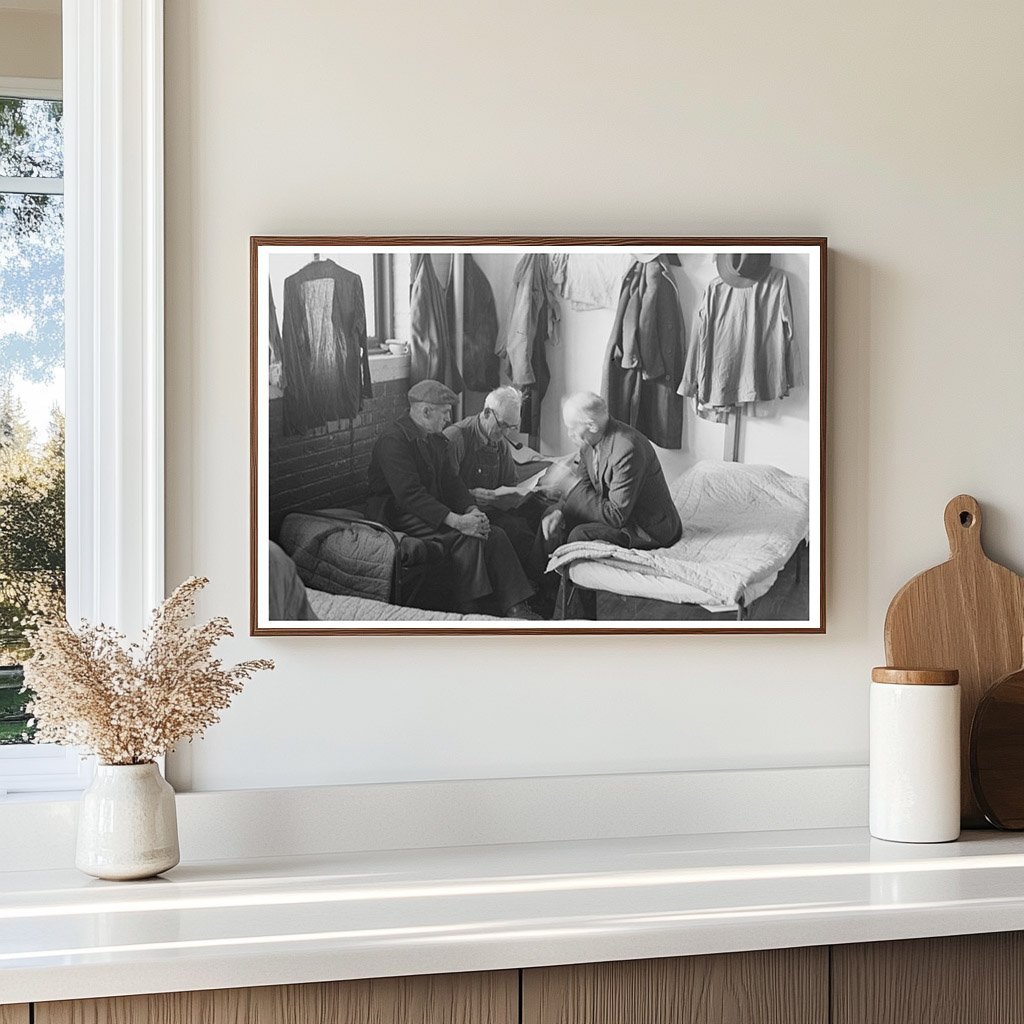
{"type": "Point", "coordinates": [576, 365]}
{"type": "Point", "coordinates": [794, 118]}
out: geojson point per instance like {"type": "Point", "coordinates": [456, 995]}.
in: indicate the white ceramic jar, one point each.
{"type": "Point", "coordinates": [915, 755]}
{"type": "Point", "coordinates": [127, 823]}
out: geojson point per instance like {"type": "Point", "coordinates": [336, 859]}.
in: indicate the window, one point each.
{"type": "Point", "coordinates": [113, 334]}
{"type": "Point", "coordinates": [32, 563]}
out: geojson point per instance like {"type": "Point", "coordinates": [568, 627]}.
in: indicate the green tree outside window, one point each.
{"type": "Point", "coordinates": [32, 543]}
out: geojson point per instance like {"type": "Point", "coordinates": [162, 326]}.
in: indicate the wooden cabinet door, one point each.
{"type": "Point", "coordinates": [481, 998]}
{"type": "Point", "coordinates": [14, 1014]}
{"type": "Point", "coordinates": [778, 986]}
{"type": "Point", "coordinates": [962, 979]}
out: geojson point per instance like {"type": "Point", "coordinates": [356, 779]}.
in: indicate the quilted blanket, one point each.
{"type": "Point", "coordinates": [740, 524]}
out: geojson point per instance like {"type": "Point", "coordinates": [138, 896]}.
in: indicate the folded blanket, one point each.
{"type": "Point", "coordinates": [740, 524]}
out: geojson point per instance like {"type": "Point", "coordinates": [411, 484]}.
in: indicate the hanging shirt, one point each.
{"type": "Point", "coordinates": [743, 349]}
{"type": "Point", "coordinates": [432, 350]}
{"type": "Point", "coordinates": [323, 346]}
{"type": "Point", "coordinates": [589, 280]}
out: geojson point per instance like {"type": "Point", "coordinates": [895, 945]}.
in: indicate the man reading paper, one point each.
{"type": "Point", "coordinates": [482, 456]}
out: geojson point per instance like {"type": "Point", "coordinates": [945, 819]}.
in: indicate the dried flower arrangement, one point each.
{"type": "Point", "coordinates": [129, 704]}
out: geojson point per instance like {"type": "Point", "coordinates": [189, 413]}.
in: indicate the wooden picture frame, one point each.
{"type": "Point", "coordinates": [745, 472]}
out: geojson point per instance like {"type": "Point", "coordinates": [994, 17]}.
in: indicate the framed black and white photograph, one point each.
{"type": "Point", "coordinates": [537, 435]}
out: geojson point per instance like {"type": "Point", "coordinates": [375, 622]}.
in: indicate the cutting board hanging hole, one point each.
{"type": "Point", "coordinates": [963, 525]}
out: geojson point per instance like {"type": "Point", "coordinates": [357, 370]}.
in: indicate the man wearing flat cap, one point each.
{"type": "Point", "coordinates": [414, 489]}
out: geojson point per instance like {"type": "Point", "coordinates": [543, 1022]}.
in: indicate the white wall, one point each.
{"type": "Point", "coordinates": [30, 43]}
{"type": "Point", "coordinates": [892, 128]}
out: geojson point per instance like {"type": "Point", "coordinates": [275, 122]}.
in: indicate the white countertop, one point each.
{"type": "Point", "coordinates": [226, 924]}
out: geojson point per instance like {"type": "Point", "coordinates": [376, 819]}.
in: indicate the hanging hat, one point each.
{"type": "Point", "coordinates": [743, 269]}
{"type": "Point", "coordinates": [432, 391]}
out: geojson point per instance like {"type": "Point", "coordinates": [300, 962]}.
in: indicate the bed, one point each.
{"type": "Point", "coordinates": [743, 554]}
{"type": "Point", "coordinates": [351, 608]}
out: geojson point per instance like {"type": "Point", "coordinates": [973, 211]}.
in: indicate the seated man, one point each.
{"type": "Point", "coordinates": [482, 457]}
{"type": "Point", "coordinates": [479, 444]}
{"type": "Point", "coordinates": [414, 488]}
{"type": "Point", "coordinates": [617, 490]}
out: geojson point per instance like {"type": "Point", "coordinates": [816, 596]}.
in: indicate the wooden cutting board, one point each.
{"type": "Point", "coordinates": [967, 614]}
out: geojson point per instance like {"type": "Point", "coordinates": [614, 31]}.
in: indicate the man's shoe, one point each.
{"type": "Point", "coordinates": [522, 611]}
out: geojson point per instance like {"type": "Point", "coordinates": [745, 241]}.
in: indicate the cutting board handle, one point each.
{"type": "Point", "coordinates": [963, 527]}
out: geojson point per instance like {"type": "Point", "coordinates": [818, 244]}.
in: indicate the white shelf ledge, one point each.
{"type": "Point", "coordinates": [353, 915]}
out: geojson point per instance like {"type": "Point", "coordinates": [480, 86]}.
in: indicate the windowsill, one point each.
{"type": "Point", "coordinates": [43, 796]}
{"type": "Point", "coordinates": [384, 366]}
{"type": "Point", "coordinates": [225, 924]}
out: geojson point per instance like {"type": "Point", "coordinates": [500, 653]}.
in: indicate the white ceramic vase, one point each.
{"type": "Point", "coordinates": [127, 825]}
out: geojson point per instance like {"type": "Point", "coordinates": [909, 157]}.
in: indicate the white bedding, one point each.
{"type": "Point", "coordinates": [348, 608]}
{"type": "Point", "coordinates": [617, 579]}
{"type": "Point", "coordinates": [741, 524]}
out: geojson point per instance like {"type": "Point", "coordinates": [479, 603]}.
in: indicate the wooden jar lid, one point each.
{"type": "Point", "coordinates": [916, 676]}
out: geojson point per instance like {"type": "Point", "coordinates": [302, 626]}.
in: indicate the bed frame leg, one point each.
{"type": "Point", "coordinates": [575, 602]}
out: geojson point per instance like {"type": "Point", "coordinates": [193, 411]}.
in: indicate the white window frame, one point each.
{"type": "Point", "coordinates": [114, 336]}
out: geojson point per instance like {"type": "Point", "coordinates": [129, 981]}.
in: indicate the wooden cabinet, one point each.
{"type": "Point", "coordinates": [963, 979]}
{"type": "Point", "coordinates": [491, 998]}
{"type": "Point", "coordinates": [972, 979]}
{"type": "Point", "coordinates": [778, 986]}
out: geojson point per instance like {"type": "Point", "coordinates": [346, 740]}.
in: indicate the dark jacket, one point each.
{"type": "Point", "coordinates": [412, 473]}
{"type": "Point", "coordinates": [623, 486]}
{"type": "Point", "coordinates": [644, 363]}
{"type": "Point", "coordinates": [323, 346]}
{"type": "Point", "coordinates": [532, 326]}
{"type": "Point", "coordinates": [431, 348]}
{"type": "Point", "coordinates": [479, 326]}
{"type": "Point", "coordinates": [479, 462]}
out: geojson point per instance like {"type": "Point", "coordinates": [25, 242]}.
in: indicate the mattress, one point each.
{"type": "Point", "coordinates": [630, 583]}
{"type": "Point", "coordinates": [741, 524]}
{"type": "Point", "coordinates": [349, 608]}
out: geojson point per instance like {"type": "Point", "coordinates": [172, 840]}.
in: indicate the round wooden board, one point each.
{"type": "Point", "coordinates": [997, 752]}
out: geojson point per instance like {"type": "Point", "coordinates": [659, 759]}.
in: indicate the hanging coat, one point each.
{"type": "Point", "coordinates": [534, 315]}
{"type": "Point", "coordinates": [323, 346]}
{"type": "Point", "coordinates": [533, 323]}
{"type": "Point", "coordinates": [479, 326]}
{"type": "Point", "coordinates": [743, 349]}
{"type": "Point", "coordinates": [644, 361]}
{"type": "Point", "coordinates": [432, 349]}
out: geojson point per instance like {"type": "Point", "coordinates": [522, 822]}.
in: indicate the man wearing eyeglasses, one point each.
{"type": "Point", "coordinates": [479, 444]}
{"type": "Point", "coordinates": [482, 456]}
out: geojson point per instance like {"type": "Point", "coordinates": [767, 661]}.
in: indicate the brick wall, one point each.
{"type": "Point", "coordinates": [327, 469]}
